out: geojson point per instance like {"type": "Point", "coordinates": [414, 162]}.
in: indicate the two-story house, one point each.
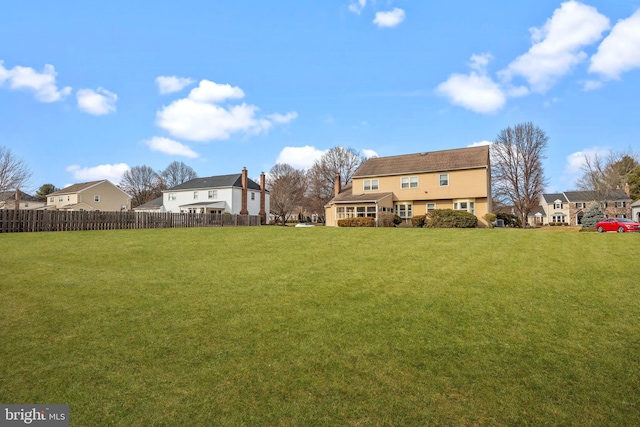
{"type": "Point", "coordinates": [19, 200]}
{"type": "Point", "coordinates": [414, 184]}
{"type": "Point", "coordinates": [90, 196]}
{"type": "Point", "coordinates": [569, 207]}
{"type": "Point", "coordinates": [235, 194]}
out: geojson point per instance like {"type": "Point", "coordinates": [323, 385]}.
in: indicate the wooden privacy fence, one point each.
{"type": "Point", "coordinates": [31, 220]}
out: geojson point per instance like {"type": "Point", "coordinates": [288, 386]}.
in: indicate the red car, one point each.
{"type": "Point", "coordinates": [621, 225]}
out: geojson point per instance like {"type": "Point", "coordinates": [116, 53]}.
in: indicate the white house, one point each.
{"type": "Point", "coordinates": [235, 194]}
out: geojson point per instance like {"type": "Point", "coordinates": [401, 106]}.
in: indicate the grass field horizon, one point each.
{"type": "Point", "coordinates": [323, 326]}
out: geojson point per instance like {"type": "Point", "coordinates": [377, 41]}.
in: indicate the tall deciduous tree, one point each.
{"type": "Point", "coordinates": [634, 183]}
{"type": "Point", "coordinates": [321, 177]}
{"type": "Point", "coordinates": [142, 183]}
{"type": "Point", "coordinates": [604, 174]}
{"type": "Point", "coordinates": [177, 173]}
{"type": "Point", "coordinates": [517, 173]}
{"type": "Point", "coordinates": [287, 187]}
{"type": "Point", "coordinates": [14, 173]}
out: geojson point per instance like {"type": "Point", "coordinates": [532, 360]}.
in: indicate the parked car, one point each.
{"type": "Point", "coordinates": [621, 225]}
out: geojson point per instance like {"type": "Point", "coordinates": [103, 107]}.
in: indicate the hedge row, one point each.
{"type": "Point", "coordinates": [357, 222]}
{"type": "Point", "coordinates": [445, 218]}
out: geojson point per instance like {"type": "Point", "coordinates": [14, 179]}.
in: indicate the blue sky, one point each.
{"type": "Point", "coordinates": [89, 89]}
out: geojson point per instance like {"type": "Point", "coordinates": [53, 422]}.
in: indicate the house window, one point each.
{"type": "Point", "coordinates": [371, 211]}
{"type": "Point", "coordinates": [558, 217]}
{"type": "Point", "coordinates": [621, 205]}
{"type": "Point", "coordinates": [195, 195]}
{"type": "Point", "coordinates": [404, 182]}
{"type": "Point", "coordinates": [361, 211]}
{"type": "Point", "coordinates": [404, 210]}
{"type": "Point", "coordinates": [96, 198]}
{"type": "Point", "coordinates": [172, 196]}
{"type": "Point", "coordinates": [444, 180]}
{"type": "Point", "coordinates": [51, 199]}
{"type": "Point", "coordinates": [431, 207]}
{"type": "Point", "coordinates": [409, 182]}
{"type": "Point", "coordinates": [370, 184]}
{"type": "Point", "coordinates": [253, 196]}
{"type": "Point", "coordinates": [68, 198]}
{"type": "Point", "coordinates": [60, 199]}
{"type": "Point", "coordinates": [212, 194]}
{"type": "Point", "coordinates": [465, 205]}
{"type": "Point", "coordinates": [580, 205]}
{"type": "Point", "coordinates": [557, 204]}
{"type": "Point", "coordinates": [26, 205]}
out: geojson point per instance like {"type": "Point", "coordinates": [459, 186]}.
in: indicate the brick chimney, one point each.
{"type": "Point", "coordinates": [245, 188]}
{"type": "Point", "coordinates": [263, 191]}
{"type": "Point", "coordinates": [627, 189]}
{"type": "Point", "coordinates": [337, 186]}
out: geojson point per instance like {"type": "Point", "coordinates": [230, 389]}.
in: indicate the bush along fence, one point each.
{"type": "Point", "coordinates": [31, 220]}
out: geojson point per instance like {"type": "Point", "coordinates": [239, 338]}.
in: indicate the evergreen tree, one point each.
{"type": "Point", "coordinates": [592, 216]}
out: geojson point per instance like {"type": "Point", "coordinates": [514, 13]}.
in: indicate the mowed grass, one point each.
{"type": "Point", "coordinates": [323, 326]}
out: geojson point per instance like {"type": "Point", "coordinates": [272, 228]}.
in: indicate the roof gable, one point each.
{"type": "Point", "coordinates": [435, 161]}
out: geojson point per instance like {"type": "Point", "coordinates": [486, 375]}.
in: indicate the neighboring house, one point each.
{"type": "Point", "coordinates": [235, 194]}
{"type": "Point", "coordinates": [89, 196]}
{"type": "Point", "coordinates": [153, 206]}
{"type": "Point", "coordinates": [414, 184]}
{"type": "Point", "coordinates": [635, 210]}
{"type": "Point", "coordinates": [569, 207]}
{"type": "Point", "coordinates": [25, 201]}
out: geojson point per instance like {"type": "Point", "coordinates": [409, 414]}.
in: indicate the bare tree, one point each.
{"type": "Point", "coordinates": [14, 173]}
{"type": "Point", "coordinates": [517, 174]}
{"type": "Point", "coordinates": [321, 177]}
{"type": "Point", "coordinates": [602, 175]}
{"type": "Point", "coordinates": [177, 173]}
{"type": "Point", "coordinates": [142, 183]}
{"type": "Point", "coordinates": [287, 187]}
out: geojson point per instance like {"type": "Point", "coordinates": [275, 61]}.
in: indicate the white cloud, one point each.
{"type": "Point", "coordinates": [389, 19]}
{"type": "Point", "coordinates": [620, 50]}
{"type": "Point", "coordinates": [97, 102]}
{"type": "Point", "coordinates": [474, 92]}
{"type": "Point", "coordinates": [576, 160]}
{"type": "Point", "coordinates": [171, 84]}
{"type": "Point", "coordinates": [171, 147]}
{"type": "Point", "coordinates": [283, 118]}
{"type": "Point", "coordinates": [557, 45]}
{"type": "Point", "coordinates": [300, 157]}
{"type": "Point", "coordinates": [357, 6]}
{"type": "Point", "coordinates": [42, 84]}
{"type": "Point", "coordinates": [111, 172]}
{"type": "Point", "coordinates": [480, 143]}
{"type": "Point", "coordinates": [199, 118]}
{"type": "Point", "coordinates": [369, 153]}
{"type": "Point", "coordinates": [208, 91]}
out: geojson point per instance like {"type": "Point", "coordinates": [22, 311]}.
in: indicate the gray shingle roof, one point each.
{"type": "Point", "coordinates": [434, 161]}
{"type": "Point", "coordinates": [588, 196]}
{"type": "Point", "coordinates": [219, 181]}
{"type": "Point", "coordinates": [552, 197]}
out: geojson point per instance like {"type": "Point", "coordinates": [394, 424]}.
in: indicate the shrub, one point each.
{"type": "Point", "coordinates": [510, 220]}
{"type": "Point", "coordinates": [448, 218]}
{"type": "Point", "coordinates": [418, 221]}
{"type": "Point", "coordinates": [491, 219]}
{"type": "Point", "coordinates": [397, 220]}
{"type": "Point", "coordinates": [385, 219]}
{"type": "Point", "coordinates": [357, 222]}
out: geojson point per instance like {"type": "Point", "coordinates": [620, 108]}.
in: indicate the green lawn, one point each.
{"type": "Point", "coordinates": [323, 326]}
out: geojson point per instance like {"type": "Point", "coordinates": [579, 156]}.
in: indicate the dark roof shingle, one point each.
{"type": "Point", "coordinates": [233, 180]}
